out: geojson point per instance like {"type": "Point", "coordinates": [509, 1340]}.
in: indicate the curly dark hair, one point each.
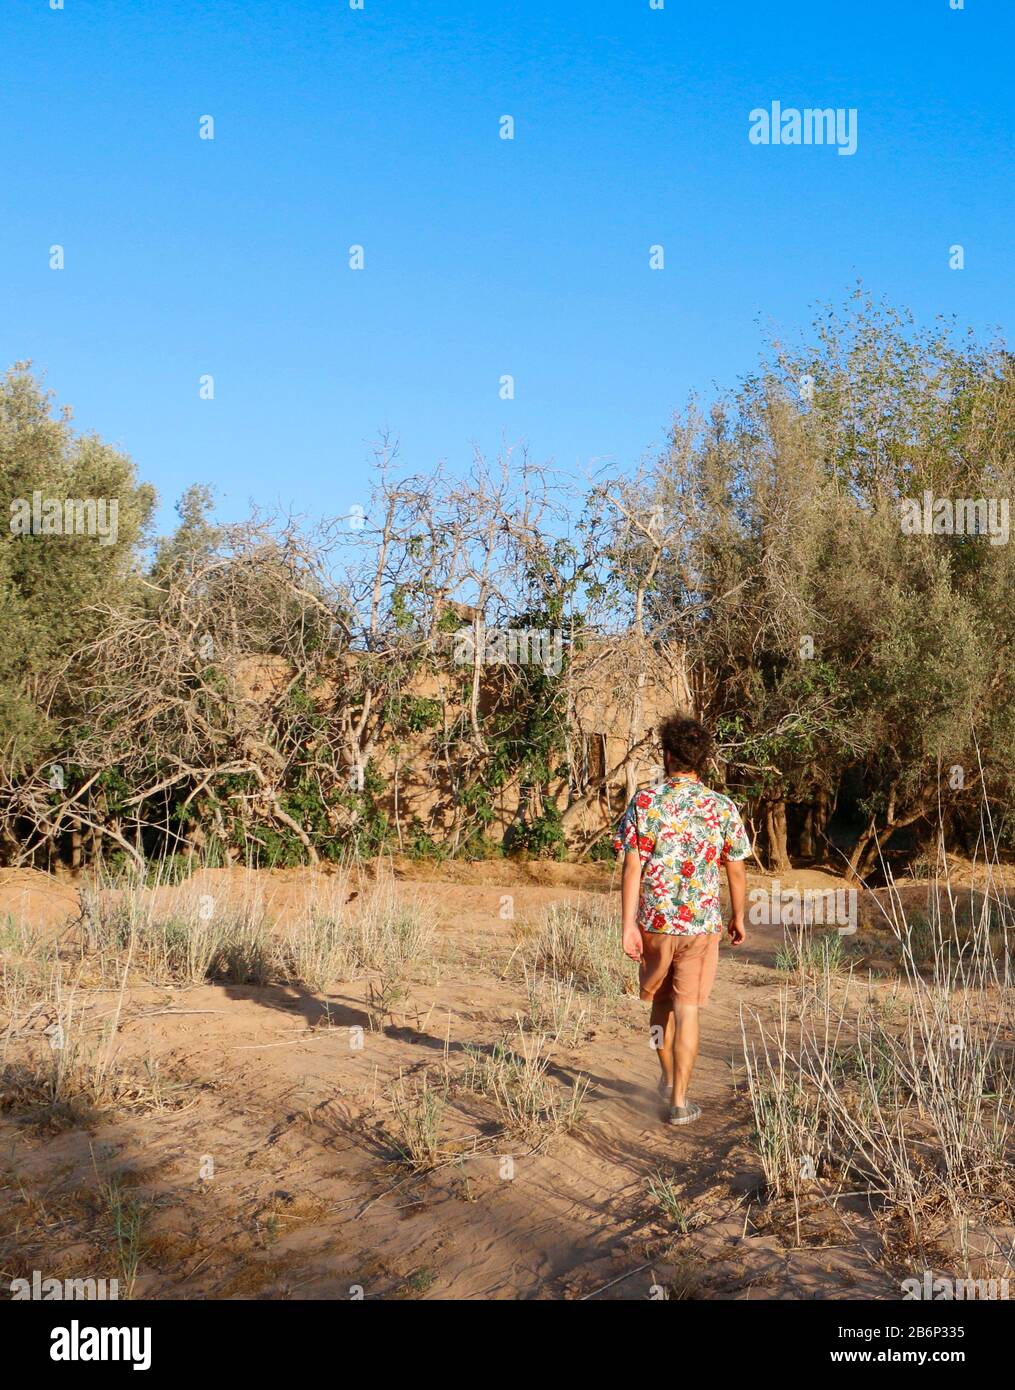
{"type": "Point", "coordinates": [687, 744]}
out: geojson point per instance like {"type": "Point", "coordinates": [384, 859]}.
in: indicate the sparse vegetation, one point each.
{"type": "Point", "coordinates": [188, 721]}
{"type": "Point", "coordinates": [577, 943]}
{"type": "Point", "coordinates": [663, 1191]}
{"type": "Point", "coordinates": [909, 1100]}
{"type": "Point", "coordinates": [387, 932]}
{"type": "Point", "coordinates": [516, 1077]}
{"type": "Point", "coordinates": [126, 1214]}
{"type": "Point", "coordinates": [418, 1109]}
{"type": "Point", "coordinates": [555, 1007]}
{"type": "Point", "coordinates": [255, 693]}
{"type": "Point", "coordinates": [803, 953]}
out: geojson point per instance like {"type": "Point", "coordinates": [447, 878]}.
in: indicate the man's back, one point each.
{"type": "Point", "coordinates": [684, 833]}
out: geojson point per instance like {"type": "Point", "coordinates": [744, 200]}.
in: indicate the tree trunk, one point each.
{"type": "Point", "coordinates": [822, 815]}
{"type": "Point", "coordinates": [868, 861]}
{"type": "Point", "coordinates": [775, 829]}
{"type": "Point", "coordinates": [861, 851]}
{"type": "Point", "coordinates": [635, 732]}
{"type": "Point", "coordinates": [868, 847]}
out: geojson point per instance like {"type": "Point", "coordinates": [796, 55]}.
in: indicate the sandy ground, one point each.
{"type": "Point", "coordinates": [264, 1165]}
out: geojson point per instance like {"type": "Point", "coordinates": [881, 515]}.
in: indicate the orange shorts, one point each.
{"type": "Point", "coordinates": [678, 968]}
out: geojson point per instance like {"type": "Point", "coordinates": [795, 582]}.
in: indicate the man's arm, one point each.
{"type": "Point", "coordinates": [736, 876]}
{"type": "Point", "coordinates": [630, 892]}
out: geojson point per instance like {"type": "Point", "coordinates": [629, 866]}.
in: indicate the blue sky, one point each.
{"type": "Point", "coordinates": [483, 257]}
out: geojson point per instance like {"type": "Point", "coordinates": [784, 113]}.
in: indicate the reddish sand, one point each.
{"type": "Point", "coordinates": [261, 1088]}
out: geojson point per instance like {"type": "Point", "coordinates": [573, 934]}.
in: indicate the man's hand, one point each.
{"type": "Point", "coordinates": [632, 941]}
{"type": "Point", "coordinates": [736, 876]}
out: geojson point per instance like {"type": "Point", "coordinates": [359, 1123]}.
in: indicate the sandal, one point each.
{"type": "Point", "coordinates": [684, 1114]}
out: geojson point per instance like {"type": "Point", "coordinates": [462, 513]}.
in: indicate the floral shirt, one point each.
{"type": "Point", "coordinates": [683, 832]}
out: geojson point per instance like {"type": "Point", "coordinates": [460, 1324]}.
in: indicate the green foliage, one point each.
{"type": "Point", "coordinates": [222, 684]}
{"type": "Point", "coordinates": [53, 586]}
{"type": "Point", "coordinates": [406, 714]}
{"type": "Point", "coordinates": [841, 651]}
{"type": "Point", "coordinates": [421, 845]}
{"type": "Point", "coordinates": [542, 837]}
{"type": "Point", "coordinates": [602, 852]}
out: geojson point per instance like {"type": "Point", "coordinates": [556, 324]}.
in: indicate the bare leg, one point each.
{"type": "Point", "coordinates": [662, 1026]}
{"type": "Point", "coordinates": [685, 1049]}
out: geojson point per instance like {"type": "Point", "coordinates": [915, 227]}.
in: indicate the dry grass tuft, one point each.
{"type": "Point", "coordinates": [579, 942]}
{"type": "Point", "coordinates": [907, 1098]}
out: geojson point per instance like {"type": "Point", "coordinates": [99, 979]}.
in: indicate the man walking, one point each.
{"type": "Point", "coordinates": [676, 836]}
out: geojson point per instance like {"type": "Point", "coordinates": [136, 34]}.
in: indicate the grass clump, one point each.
{"type": "Point", "coordinates": [580, 942]}
{"type": "Point", "coordinates": [418, 1118]}
{"type": "Point", "coordinates": [529, 1102]}
{"type": "Point", "coordinates": [908, 1099]}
